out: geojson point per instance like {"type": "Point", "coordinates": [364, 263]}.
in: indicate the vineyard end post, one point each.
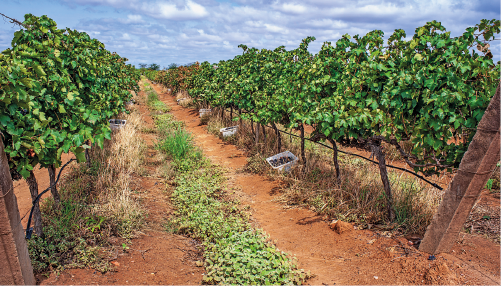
{"type": "Point", "coordinates": [464, 190]}
{"type": "Point", "coordinates": [15, 263]}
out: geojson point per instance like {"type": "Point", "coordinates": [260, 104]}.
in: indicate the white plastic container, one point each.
{"type": "Point", "coordinates": [204, 111]}
{"type": "Point", "coordinates": [116, 124]}
{"type": "Point", "coordinates": [282, 161]}
{"type": "Point", "coordinates": [229, 131]}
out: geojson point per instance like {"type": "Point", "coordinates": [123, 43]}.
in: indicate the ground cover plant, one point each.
{"type": "Point", "coordinates": [235, 253]}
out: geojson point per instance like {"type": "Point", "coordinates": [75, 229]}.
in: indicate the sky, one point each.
{"type": "Point", "coordinates": [185, 31]}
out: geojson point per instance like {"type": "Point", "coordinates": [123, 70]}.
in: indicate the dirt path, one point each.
{"type": "Point", "coordinates": [355, 257]}
{"type": "Point", "coordinates": [155, 257]}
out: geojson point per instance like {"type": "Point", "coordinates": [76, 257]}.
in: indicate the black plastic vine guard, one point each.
{"type": "Point", "coordinates": [29, 232]}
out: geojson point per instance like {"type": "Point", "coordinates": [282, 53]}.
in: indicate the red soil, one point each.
{"type": "Point", "coordinates": [356, 257]}
{"type": "Point", "coordinates": [353, 257]}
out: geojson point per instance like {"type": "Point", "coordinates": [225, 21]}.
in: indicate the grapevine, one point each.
{"type": "Point", "coordinates": [58, 89]}
{"type": "Point", "coordinates": [431, 90]}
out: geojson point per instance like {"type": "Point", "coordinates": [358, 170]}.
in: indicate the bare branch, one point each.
{"type": "Point", "coordinates": [14, 21]}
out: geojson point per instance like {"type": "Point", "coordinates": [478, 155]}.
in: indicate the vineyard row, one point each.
{"type": "Point", "coordinates": [428, 92]}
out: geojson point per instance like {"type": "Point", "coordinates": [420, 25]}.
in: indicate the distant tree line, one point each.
{"type": "Point", "coordinates": [156, 67]}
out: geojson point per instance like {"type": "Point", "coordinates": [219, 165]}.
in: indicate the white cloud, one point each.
{"type": "Point", "coordinates": [190, 10]}
{"type": "Point", "coordinates": [326, 23]}
{"type": "Point", "coordinates": [293, 8]}
{"type": "Point", "coordinates": [132, 19]}
{"type": "Point", "coordinates": [170, 10]}
{"type": "Point", "coordinates": [183, 31]}
{"type": "Point", "coordinates": [275, 29]}
{"type": "Point", "coordinates": [159, 38]}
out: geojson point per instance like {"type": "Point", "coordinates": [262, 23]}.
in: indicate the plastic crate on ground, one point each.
{"type": "Point", "coordinates": [282, 161]}
{"type": "Point", "coordinates": [116, 124]}
{"type": "Point", "coordinates": [229, 131]}
{"type": "Point", "coordinates": [204, 111]}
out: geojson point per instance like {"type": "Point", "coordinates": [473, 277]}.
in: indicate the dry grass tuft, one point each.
{"type": "Point", "coordinates": [185, 99]}
{"type": "Point", "coordinates": [187, 102]}
{"type": "Point", "coordinates": [214, 124]}
{"type": "Point", "coordinates": [182, 94]}
{"type": "Point", "coordinates": [122, 156]}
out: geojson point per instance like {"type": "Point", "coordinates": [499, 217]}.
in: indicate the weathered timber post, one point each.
{"type": "Point", "coordinates": [474, 171]}
{"type": "Point", "coordinates": [264, 134]}
{"type": "Point", "coordinates": [15, 263]}
{"type": "Point", "coordinates": [87, 155]}
{"type": "Point", "coordinates": [279, 137]}
{"type": "Point", "coordinates": [257, 135]}
{"type": "Point", "coordinates": [240, 118]}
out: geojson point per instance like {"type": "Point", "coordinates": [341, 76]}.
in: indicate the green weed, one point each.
{"type": "Point", "coordinates": [155, 104]}
{"type": "Point", "coordinates": [235, 253]}
{"type": "Point", "coordinates": [165, 124]}
{"type": "Point", "coordinates": [177, 144]}
{"type": "Point", "coordinates": [67, 229]}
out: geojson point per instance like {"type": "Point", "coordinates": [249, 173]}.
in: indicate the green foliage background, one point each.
{"type": "Point", "coordinates": [431, 89]}
{"type": "Point", "coordinates": [58, 89]}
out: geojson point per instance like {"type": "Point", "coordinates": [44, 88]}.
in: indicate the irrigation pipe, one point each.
{"type": "Point", "coordinates": [375, 162]}
{"type": "Point", "coordinates": [353, 154]}
{"type": "Point", "coordinates": [29, 230]}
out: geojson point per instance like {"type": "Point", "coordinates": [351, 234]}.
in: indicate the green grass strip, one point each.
{"type": "Point", "coordinates": [153, 102]}
{"type": "Point", "coordinates": [235, 253]}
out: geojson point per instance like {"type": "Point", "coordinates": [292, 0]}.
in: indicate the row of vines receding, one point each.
{"type": "Point", "coordinates": [58, 88]}
{"type": "Point", "coordinates": [430, 90]}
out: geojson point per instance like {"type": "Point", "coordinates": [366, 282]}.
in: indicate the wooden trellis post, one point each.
{"type": "Point", "coordinates": [475, 169]}
{"type": "Point", "coordinates": [15, 263]}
